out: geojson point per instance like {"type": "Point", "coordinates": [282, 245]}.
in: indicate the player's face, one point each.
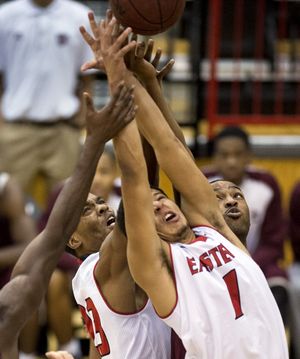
{"type": "Point", "coordinates": [233, 207]}
{"type": "Point", "coordinates": [96, 222]}
{"type": "Point", "coordinates": [231, 158]}
{"type": "Point", "coordinates": [171, 224]}
{"type": "Point", "coordinates": [104, 178]}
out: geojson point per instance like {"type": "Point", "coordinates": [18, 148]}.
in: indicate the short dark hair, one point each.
{"type": "Point", "coordinates": [232, 131]}
{"type": "Point", "coordinates": [121, 212]}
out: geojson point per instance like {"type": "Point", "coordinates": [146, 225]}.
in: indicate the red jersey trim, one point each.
{"type": "Point", "coordinates": [174, 279]}
{"type": "Point", "coordinates": [211, 227]}
{"type": "Point", "coordinates": [108, 305]}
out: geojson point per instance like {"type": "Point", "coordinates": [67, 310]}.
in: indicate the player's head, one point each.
{"type": "Point", "coordinates": [233, 206]}
{"type": "Point", "coordinates": [171, 224]}
{"type": "Point", "coordinates": [232, 153]}
{"type": "Point", "coordinates": [105, 175]}
{"type": "Point", "coordinates": [96, 222]}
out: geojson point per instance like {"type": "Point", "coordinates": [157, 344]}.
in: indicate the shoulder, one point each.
{"type": "Point", "coordinates": [11, 9]}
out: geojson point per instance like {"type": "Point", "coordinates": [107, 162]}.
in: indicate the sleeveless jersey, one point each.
{"type": "Point", "coordinates": [224, 306]}
{"type": "Point", "coordinates": [140, 335]}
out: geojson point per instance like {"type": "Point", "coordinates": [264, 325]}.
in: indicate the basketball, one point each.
{"type": "Point", "coordinates": [148, 17]}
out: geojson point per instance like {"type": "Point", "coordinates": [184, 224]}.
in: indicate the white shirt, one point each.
{"type": "Point", "coordinates": [40, 57]}
{"type": "Point", "coordinates": [224, 309]}
{"type": "Point", "coordinates": [140, 335]}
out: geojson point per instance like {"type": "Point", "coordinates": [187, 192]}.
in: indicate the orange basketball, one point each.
{"type": "Point", "coordinates": [148, 17]}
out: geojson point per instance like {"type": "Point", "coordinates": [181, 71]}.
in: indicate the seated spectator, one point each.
{"type": "Point", "coordinates": [294, 270]}
{"type": "Point", "coordinates": [17, 229]}
{"type": "Point", "coordinates": [231, 159]}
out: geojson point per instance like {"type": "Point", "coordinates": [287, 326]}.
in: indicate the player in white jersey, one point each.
{"type": "Point", "coordinates": [211, 292]}
{"type": "Point", "coordinates": [117, 334]}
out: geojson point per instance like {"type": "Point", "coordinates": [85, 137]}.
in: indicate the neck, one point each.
{"type": "Point", "coordinates": [186, 235]}
{"type": "Point", "coordinates": [42, 3]}
{"type": "Point", "coordinates": [243, 239]}
{"type": "Point", "coordinates": [190, 236]}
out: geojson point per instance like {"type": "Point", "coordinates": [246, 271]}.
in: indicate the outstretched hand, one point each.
{"type": "Point", "coordinates": [108, 43]}
{"type": "Point", "coordinates": [107, 122]}
{"type": "Point", "coordinates": [141, 63]}
{"type": "Point", "coordinates": [94, 43]}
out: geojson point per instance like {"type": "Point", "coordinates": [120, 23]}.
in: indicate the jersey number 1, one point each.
{"type": "Point", "coordinates": [93, 324]}
{"type": "Point", "coordinates": [233, 288]}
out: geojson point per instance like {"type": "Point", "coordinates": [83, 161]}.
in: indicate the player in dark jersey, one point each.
{"type": "Point", "coordinates": [30, 277]}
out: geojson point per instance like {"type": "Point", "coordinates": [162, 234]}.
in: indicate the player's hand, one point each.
{"type": "Point", "coordinates": [145, 65]}
{"type": "Point", "coordinates": [59, 355]}
{"type": "Point", "coordinates": [106, 123]}
{"type": "Point", "coordinates": [94, 42]}
{"type": "Point", "coordinates": [114, 46]}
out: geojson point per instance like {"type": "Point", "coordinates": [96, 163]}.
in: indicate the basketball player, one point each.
{"type": "Point", "coordinates": [117, 313]}
{"type": "Point", "coordinates": [30, 277]}
{"type": "Point", "coordinates": [207, 289]}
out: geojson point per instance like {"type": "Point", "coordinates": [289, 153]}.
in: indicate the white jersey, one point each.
{"type": "Point", "coordinates": [40, 57]}
{"type": "Point", "coordinates": [140, 335]}
{"type": "Point", "coordinates": [224, 307]}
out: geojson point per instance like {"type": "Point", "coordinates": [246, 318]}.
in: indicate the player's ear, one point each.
{"type": "Point", "coordinates": [74, 242]}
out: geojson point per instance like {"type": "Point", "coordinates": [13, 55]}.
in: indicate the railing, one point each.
{"type": "Point", "coordinates": [259, 84]}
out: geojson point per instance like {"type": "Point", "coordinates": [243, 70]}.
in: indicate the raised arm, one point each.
{"type": "Point", "coordinates": [201, 205]}
{"type": "Point", "coordinates": [145, 250]}
{"type": "Point", "coordinates": [146, 69]}
{"type": "Point", "coordinates": [31, 275]}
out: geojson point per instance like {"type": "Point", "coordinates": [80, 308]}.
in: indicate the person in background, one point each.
{"type": "Point", "coordinates": [231, 162]}
{"type": "Point", "coordinates": [40, 88]}
{"type": "Point", "coordinates": [294, 270]}
{"type": "Point", "coordinates": [17, 229]}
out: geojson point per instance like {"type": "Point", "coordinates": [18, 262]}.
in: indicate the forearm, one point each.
{"type": "Point", "coordinates": [156, 92]}
{"type": "Point", "coordinates": [67, 209]}
{"type": "Point", "coordinates": [137, 197]}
